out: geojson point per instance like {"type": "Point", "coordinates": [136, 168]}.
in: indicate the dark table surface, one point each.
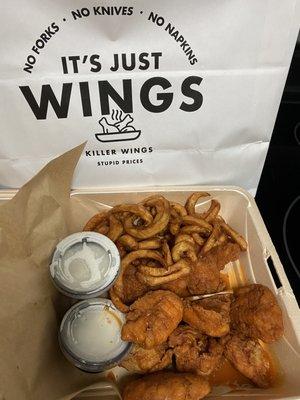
{"type": "Point", "coordinates": [278, 194]}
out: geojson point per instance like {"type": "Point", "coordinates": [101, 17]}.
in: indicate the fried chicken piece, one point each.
{"type": "Point", "coordinates": [178, 286]}
{"type": "Point", "coordinates": [205, 277]}
{"type": "Point", "coordinates": [195, 352]}
{"type": "Point", "coordinates": [167, 386]}
{"type": "Point", "coordinates": [142, 360]}
{"type": "Point", "coordinates": [248, 357]}
{"type": "Point", "coordinates": [133, 288]}
{"type": "Point", "coordinates": [256, 313]}
{"type": "Point", "coordinates": [223, 254]}
{"type": "Point", "coordinates": [209, 316]}
{"type": "Point", "coordinates": [152, 318]}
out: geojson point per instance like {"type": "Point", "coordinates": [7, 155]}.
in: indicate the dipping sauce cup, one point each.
{"type": "Point", "coordinates": [85, 265]}
{"type": "Point", "coordinates": [90, 335]}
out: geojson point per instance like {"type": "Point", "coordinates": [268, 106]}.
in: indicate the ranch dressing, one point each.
{"type": "Point", "coordinates": [90, 335]}
{"type": "Point", "coordinates": [85, 264]}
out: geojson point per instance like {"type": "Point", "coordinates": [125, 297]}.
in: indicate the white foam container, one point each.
{"type": "Point", "coordinates": [6, 194]}
{"type": "Point", "coordinates": [240, 211]}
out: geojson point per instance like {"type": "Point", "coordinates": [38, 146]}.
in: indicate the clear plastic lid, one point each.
{"type": "Point", "coordinates": [85, 264]}
{"type": "Point", "coordinates": [90, 335]}
{"type": "Point", "coordinates": [103, 389]}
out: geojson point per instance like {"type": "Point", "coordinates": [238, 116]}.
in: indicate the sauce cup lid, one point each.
{"type": "Point", "coordinates": [90, 335]}
{"type": "Point", "coordinates": [85, 264]}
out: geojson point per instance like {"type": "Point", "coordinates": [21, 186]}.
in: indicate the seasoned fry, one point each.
{"type": "Point", "coordinates": [128, 242]}
{"type": "Point", "coordinates": [117, 301]}
{"type": "Point", "coordinates": [222, 239]}
{"type": "Point", "coordinates": [184, 250]}
{"type": "Point", "coordinates": [156, 271]}
{"type": "Point", "coordinates": [98, 221]}
{"type": "Point", "coordinates": [152, 211]}
{"type": "Point", "coordinates": [159, 223]}
{"type": "Point", "coordinates": [103, 229]}
{"type": "Point", "coordinates": [158, 276]}
{"type": "Point", "coordinates": [235, 236]}
{"type": "Point", "coordinates": [175, 220]}
{"type": "Point", "coordinates": [165, 235]}
{"type": "Point", "coordinates": [178, 208]}
{"type": "Point", "coordinates": [150, 244]}
{"type": "Point", "coordinates": [174, 227]}
{"type": "Point", "coordinates": [192, 201]}
{"type": "Point", "coordinates": [212, 212]}
{"type": "Point", "coordinates": [196, 221]}
{"type": "Point", "coordinates": [177, 212]}
{"type": "Point", "coordinates": [198, 239]}
{"type": "Point", "coordinates": [189, 229]}
{"type": "Point", "coordinates": [167, 253]}
{"type": "Point", "coordinates": [183, 237]}
{"type": "Point", "coordinates": [212, 240]}
{"type": "Point", "coordinates": [136, 209]}
{"type": "Point", "coordinates": [121, 248]}
{"type": "Point", "coordinates": [115, 228]}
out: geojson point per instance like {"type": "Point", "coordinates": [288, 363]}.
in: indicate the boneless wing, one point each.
{"type": "Point", "coordinates": [223, 254]}
{"type": "Point", "coordinates": [205, 277]}
{"type": "Point", "coordinates": [249, 357]}
{"type": "Point", "coordinates": [133, 288]}
{"type": "Point", "coordinates": [142, 360]}
{"type": "Point", "coordinates": [256, 313]}
{"type": "Point", "coordinates": [210, 316]}
{"type": "Point", "coordinates": [152, 318]}
{"type": "Point", "coordinates": [195, 352]}
{"type": "Point", "coordinates": [167, 386]}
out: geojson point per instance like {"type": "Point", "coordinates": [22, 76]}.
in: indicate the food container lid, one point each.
{"type": "Point", "coordinates": [85, 264]}
{"type": "Point", "coordinates": [90, 335]}
{"type": "Point", "coordinates": [104, 390]}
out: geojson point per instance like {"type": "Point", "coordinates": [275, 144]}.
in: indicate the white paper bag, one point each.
{"type": "Point", "coordinates": [192, 99]}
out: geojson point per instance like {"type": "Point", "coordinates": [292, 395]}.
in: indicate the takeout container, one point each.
{"type": "Point", "coordinates": [240, 211]}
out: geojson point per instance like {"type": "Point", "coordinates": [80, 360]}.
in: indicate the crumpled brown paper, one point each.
{"type": "Point", "coordinates": [31, 224]}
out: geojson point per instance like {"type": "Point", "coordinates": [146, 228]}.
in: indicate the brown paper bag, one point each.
{"type": "Point", "coordinates": [31, 364]}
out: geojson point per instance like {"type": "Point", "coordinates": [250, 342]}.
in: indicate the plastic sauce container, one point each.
{"type": "Point", "coordinates": [90, 335]}
{"type": "Point", "coordinates": [102, 390]}
{"type": "Point", "coordinates": [84, 265]}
